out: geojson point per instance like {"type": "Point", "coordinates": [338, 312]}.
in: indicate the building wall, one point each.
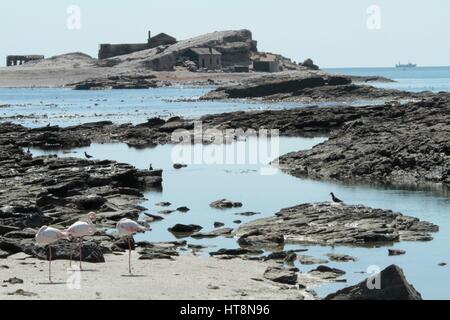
{"type": "Point", "coordinates": [210, 62]}
{"type": "Point", "coordinates": [266, 66]}
{"type": "Point", "coordinates": [113, 50]}
{"type": "Point", "coordinates": [19, 60]}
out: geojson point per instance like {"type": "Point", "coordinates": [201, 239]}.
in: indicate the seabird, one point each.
{"type": "Point", "coordinates": [87, 155]}
{"type": "Point", "coordinates": [150, 167]}
{"type": "Point", "coordinates": [337, 200]}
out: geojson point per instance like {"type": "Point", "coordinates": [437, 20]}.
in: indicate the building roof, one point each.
{"type": "Point", "coordinates": [206, 51]}
{"type": "Point", "coordinates": [163, 35]}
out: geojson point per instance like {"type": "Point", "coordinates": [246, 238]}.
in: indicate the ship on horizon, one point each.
{"type": "Point", "coordinates": [408, 65]}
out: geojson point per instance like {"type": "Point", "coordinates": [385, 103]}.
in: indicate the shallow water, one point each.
{"type": "Point", "coordinates": [65, 107]}
{"type": "Point", "coordinates": [198, 185]}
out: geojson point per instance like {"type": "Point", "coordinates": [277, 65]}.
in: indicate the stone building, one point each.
{"type": "Point", "coordinates": [21, 59]}
{"type": "Point", "coordinates": [113, 50]}
{"type": "Point", "coordinates": [266, 62]}
{"type": "Point", "coordinates": [205, 58]}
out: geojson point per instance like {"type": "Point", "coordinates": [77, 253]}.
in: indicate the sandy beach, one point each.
{"type": "Point", "coordinates": [187, 277]}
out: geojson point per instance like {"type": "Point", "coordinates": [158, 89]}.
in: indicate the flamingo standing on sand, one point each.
{"type": "Point", "coordinates": [79, 230]}
{"type": "Point", "coordinates": [129, 228]}
{"type": "Point", "coordinates": [46, 236]}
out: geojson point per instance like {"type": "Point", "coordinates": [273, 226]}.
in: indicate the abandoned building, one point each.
{"type": "Point", "coordinates": [21, 59]}
{"type": "Point", "coordinates": [267, 62]}
{"type": "Point", "coordinates": [205, 58]}
{"type": "Point", "coordinates": [113, 50]}
{"type": "Point", "coordinates": [241, 69]}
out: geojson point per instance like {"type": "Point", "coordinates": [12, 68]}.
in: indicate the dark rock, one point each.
{"type": "Point", "coordinates": [442, 264]}
{"type": "Point", "coordinates": [156, 253]}
{"type": "Point", "coordinates": [403, 145]}
{"type": "Point", "coordinates": [341, 257]}
{"type": "Point", "coordinates": [5, 229]}
{"type": "Point", "coordinates": [26, 233]}
{"type": "Point", "coordinates": [287, 256]}
{"type": "Point", "coordinates": [396, 252]}
{"type": "Point", "coordinates": [393, 286]}
{"type": "Point", "coordinates": [183, 228]}
{"type": "Point", "coordinates": [224, 204]}
{"type": "Point", "coordinates": [183, 209]}
{"type": "Point", "coordinates": [218, 224]}
{"type": "Point", "coordinates": [3, 254]}
{"type": "Point", "coordinates": [308, 63]}
{"type": "Point", "coordinates": [23, 293]}
{"type": "Point", "coordinates": [308, 260]}
{"type": "Point", "coordinates": [91, 252]}
{"type": "Point", "coordinates": [13, 281]}
{"type": "Point", "coordinates": [179, 166]}
{"type": "Point", "coordinates": [89, 202]}
{"type": "Point", "coordinates": [166, 212]}
{"type": "Point", "coordinates": [327, 273]}
{"type": "Point", "coordinates": [328, 223]}
{"type": "Point", "coordinates": [248, 214]}
{"type": "Point", "coordinates": [153, 217]}
{"type": "Point", "coordinates": [235, 252]}
{"type": "Point", "coordinates": [213, 234]}
{"type": "Point", "coordinates": [163, 204]}
{"type": "Point", "coordinates": [281, 275]}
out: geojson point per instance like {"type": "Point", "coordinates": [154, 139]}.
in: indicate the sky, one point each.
{"type": "Point", "coordinates": [334, 33]}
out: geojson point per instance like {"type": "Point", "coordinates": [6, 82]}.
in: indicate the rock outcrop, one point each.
{"type": "Point", "coordinates": [394, 144]}
{"type": "Point", "coordinates": [329, 223]}
{"type": "Point", "coordinates": [48, 190]}
{"type": "Point", "coordinates": [393, 286]}
{"type": "Point", "coordinates": [307, 86]}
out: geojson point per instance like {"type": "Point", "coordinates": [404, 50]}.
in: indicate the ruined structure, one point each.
{"type": "Point", "coordinates": [205, 58]}
{"type": "Point", "coordinates": [114, 50]}
{"type": "Point", "coordinates": [267, 62]}
{"type": "Point", "coordinates": [21, 59]}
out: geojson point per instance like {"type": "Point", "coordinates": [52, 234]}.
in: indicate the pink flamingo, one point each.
{"type": "Point", "coordinates": [79, 230]}
{"type": "Point", "coordinates": [129, 227]}
{"type": "Point", "coordinates": [47, 236]}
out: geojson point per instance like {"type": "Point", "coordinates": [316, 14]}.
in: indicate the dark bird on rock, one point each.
{"type": "Point", "coordinates": [87, 155]}
{"type": "Point", "coordinates": [335, 199]}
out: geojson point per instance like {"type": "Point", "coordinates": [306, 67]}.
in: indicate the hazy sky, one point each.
{"type": "Point", "coordinates": [334, 33]}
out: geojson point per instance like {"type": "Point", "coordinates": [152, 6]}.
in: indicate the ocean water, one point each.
{"type": "Point", "coordinates": [65, 107]}
{"type": "Point", "coordinates": [418, 79]}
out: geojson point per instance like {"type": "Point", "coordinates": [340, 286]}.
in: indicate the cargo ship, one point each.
{"type": "Point", "coordinates": [408, 65]}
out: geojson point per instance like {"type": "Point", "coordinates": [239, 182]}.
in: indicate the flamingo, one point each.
{"type": "Point", "coordinates": [81, 229]}
{"type": "Point", "coordinates": [129, 227]}
{"type": "Point", "coordinates": [47, 236]}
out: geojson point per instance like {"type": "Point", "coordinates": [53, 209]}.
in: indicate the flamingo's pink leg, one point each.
{"type": "Point", "coordinates": [49, 263]}
{"type": "Point", "coordinates": [81, 252]}
{"type": "Point", "coordinates": [129, 254]}
{"type": "Point", "coordinates": [71, 253]}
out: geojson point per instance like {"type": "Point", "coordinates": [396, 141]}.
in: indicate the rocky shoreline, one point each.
{"type": "Point", "coordinates": [309, 87]}
{"type": "Point", "coordinates": [56, 191]}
